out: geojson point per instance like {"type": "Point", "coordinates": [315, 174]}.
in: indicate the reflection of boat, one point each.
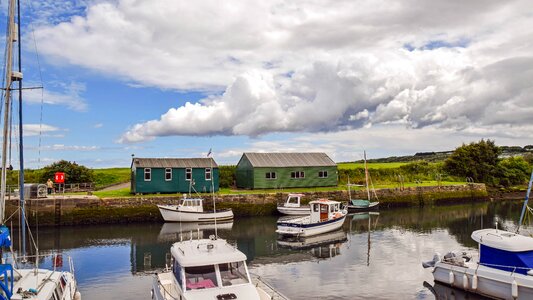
{"type": "Point", "coordinates": [362, 204]}
{"type": "Point", "coordinates": [441, 291]}
{"type": "Point", "coordinates": [365, 216]}
{"type": "Point", "coordinates": [329, 238]}
{"type": "Point", "coordinates": [17, 282]}
{"type": "Point", "coordinates": [504, 269]}
{"type": "Point", "coordinates": [292, 206]}
{"type": "Point", "coordinates": [326, 216]}
{"type": "Point", "coordinates": [172, 231]}
{"type": "Point", "coordinates": [192, 210]}
{"type": "Point", "coordinates": [208, 269]}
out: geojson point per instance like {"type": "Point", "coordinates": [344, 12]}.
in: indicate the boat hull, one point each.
{"type": "Point", "coordinates": [288, 228]}
{"type": "Point", "coordinates": [295, 211]}
{"type": "Point", "coordinates": [371, 205]}
{"type": "Point", "coordinates": [491, 282]}
{"type": "Point", "coordinates": [170, 213]}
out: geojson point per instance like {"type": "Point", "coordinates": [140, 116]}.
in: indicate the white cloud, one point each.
{"type": "Point", "coordinates": [61, 147]}
{"type": "Point", "coordinates": [59, 93]}
{"type": "Point", "coordinates": [98, 125]}
{"type": "Point", "coordinates": [311, 66]}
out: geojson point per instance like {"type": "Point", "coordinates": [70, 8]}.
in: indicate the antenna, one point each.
{"type": "Point", "coordinates": [213, 190]}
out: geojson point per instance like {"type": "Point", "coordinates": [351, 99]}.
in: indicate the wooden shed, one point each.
{"type": "Point", "coordinates": [284, 170]}
{"type": "Point", "coordinates": [173, 175]}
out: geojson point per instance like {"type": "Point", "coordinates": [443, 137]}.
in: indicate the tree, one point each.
{"type": "Point", "coordinates": [513, 170]}
{"type": "Point", "coordinates": [477, 160]}
{"type": "Point", "coordinates": [74, 173]}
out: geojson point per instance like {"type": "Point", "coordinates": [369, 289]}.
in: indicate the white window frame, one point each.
{"type": "Point", "coordinates": [210, 172]}
{"type": "Point", "coordinates": [324, 174]}
{"type": "Point", "coordinates": [188, 171]}
{"type": "Point", "coordinates": [168, 171]}
{"type": "Point", "coordinates": [298, 174]}
{"type": "Point", "coordinates": [273, 176]}
{"type": "Point", "coordinates": [149, 172]}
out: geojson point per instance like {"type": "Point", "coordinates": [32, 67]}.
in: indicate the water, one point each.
{"type": "Point", "coordinates": [374, 256]}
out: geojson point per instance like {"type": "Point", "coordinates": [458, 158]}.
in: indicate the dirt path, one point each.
{"type": "Point", "coordinates": [117, 186]}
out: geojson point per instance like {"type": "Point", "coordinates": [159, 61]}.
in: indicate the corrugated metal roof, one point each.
{"type": "Point", "coordinates": [289, 159]}
{"type": "Point", "coordinates": [174, 162]}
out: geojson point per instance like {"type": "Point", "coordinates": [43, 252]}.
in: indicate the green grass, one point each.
{"type": "Point", "coordinates": [107, 177]}
{"type": "Point", "coordinates": [351, 166]}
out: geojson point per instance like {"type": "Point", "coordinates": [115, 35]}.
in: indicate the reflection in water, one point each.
{"type": "Point", "coordinates": [442, 291]}
{"type": "Point", "coordinates": [326, 245]}
{"type": "Point", "coordinates": [379, 257]}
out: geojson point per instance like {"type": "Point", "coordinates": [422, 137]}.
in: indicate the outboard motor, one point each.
{"type": "Point", "coordinates": [431, 263]}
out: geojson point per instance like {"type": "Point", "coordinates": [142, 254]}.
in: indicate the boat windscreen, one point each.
{"type": "Point", "coordinates": [233, 273]}
{"type": "Point", "coordinates": [201, 277]}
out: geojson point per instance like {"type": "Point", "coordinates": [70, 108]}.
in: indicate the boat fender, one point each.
{"type": "Point", "coordinates": [465, 282]}
{"type": "Point", "coordinates": [474, 282]}
{"type": "Point", "coordinates": [514, 289]}
{"type": "Point", "coordinates": [451, 278]}
{"type": "Point", "coordinates": [77, 295]}
{"type": "Point", "coordinates": [33, 291]}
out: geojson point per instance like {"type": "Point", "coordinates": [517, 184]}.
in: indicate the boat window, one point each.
{"type": "Point", "coordinates": [233, 273]}
{"type": "Point", "coordinates": [168, 174]}
{"type": "Point", "coordinates": [322, 174]}
{"type": "Point", "coordinates": [202, 277]}
{"type": "Point", "coordinates": [323, 208]}
{"type": "Point", "coordinates": [147, 174]}
{"type": "Point", "coordinates": [315, 207]}
{"type": "Point", "coordinates": [177, 273]}
{"type": "Point", "coordinates": [293, 200]}
{"type": "Point", "coordinates": [188, 174]}
{"type": "Point", "coordinates": [207, 173]}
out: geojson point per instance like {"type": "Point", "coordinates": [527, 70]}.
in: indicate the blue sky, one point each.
{"type": "Point", "coordinates": [168, 78]}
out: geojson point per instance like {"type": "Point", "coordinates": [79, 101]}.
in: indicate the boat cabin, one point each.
{"type": "Point", "coordinates": [191, 204]}
{"type": "Point", "coordinates": [323, 210]}
{"type": "Point", "coordinates": [293, 200]}
{"type": "Point", "coordinates": [504, 250]}
{"type": "Point", "coordinates": [210, 267]}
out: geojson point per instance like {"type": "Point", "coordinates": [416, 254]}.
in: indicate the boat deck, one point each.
{"type": "Point", "coordinates": [274, 295]}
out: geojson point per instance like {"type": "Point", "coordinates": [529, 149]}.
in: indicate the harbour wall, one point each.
{"type": "Point", "coordinates": [85, 210]}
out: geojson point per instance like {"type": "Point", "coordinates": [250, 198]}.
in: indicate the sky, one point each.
{"type": "Point", "coordinates": [173, 78]}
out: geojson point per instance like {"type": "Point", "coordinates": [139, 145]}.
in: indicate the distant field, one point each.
{"type": "Point", "coordinates": [351, 166]}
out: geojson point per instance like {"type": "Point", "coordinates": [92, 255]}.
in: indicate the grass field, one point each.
{"type": "Point", "coordinates": [106, 177]}
{"type": "Point", "coordinates": [351, 166]}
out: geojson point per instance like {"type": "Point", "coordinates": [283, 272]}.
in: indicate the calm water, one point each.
{"type": "Point", "coordinates": [374, 256]}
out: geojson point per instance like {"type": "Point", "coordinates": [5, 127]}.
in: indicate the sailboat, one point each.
{"type": "Point", "coordinates": [362, 204]}
{"type": "Point", "coordinates": [15, 282]}
{"type": "Point", "coordinates": [503, 270]}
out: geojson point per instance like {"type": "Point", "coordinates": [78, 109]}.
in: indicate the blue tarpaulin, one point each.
{"type": "Point", "coordinates": [492, 256]}
{"type": "Point", "coordinates": [5, 238]}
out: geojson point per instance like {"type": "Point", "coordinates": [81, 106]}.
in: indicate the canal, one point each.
{"type": "Point", "coordinates": [375, 255]}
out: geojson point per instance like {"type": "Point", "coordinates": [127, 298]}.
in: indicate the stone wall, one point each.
{"type": "Point", "coordinates": [92, 210]}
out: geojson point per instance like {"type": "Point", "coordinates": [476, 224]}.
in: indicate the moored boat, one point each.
{"type": "Point", "coordinates": [192, 210]}
{"type": "Point", "coordinates": [293, 206]}
{"type": "Point", "coordinates": [362, 204]}
{"type": "Point", "coordinates": [326, 215]}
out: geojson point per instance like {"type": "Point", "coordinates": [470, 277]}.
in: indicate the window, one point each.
{"type": "Point", "coordinates": [188, 174]}
{"type": "Point", "coordinates": [315, 207]}
{"type": "Point", "coordinates": [233, 273]}
{"type": "Point", "coordinates": [147, 174]}
{"type": "Point", "coordinates": [297, 174]}
{"type": "Point", "coordinates": [202, 277]}
{"type": "Point", "coordinates": [270, 175]}
{"type": "Point", "coordinates": [177, 273]}
{"type": "Point", "coordinates": [322, 174]}
{"type": "Point", "coordinates": [207, 173]}
{"type": "Point", "coordinates": [168, 174]}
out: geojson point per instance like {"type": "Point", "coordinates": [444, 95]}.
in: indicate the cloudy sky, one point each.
{"type": "Point", "coordinates": [172, 78]}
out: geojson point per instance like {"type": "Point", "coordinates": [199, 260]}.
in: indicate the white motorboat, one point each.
{"type": "Point", "coordinates": [192, 210]}
{"type": "Point", "coordinates": [503, 270]}
{"type": "Point", "coordinates": [16, 280]}
{"type": "Point", "coordinates": [209, 269]}
{"type": "Point", "coordinates": [326, 216]}
{"type": "Point", "coordinates": [292, 206]}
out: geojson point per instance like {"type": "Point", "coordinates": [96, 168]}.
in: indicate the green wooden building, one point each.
{"type": "Point", "coordinates": [285, 170]}
{"type": "Point", "coordinates": [173, 175]}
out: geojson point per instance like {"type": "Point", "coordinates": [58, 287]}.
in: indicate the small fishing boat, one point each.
{"type": "Point", "coordinates": [503, 270]}
{"type": "Point", "coordinates": [192, 210]}
{"type": "Point", "coordinates": [292, 206]}
{"type": "Point", "coordinates": [326, 215]}
{"type": "Point", "coordinates": [362, 204]}
{"type": "Point", "coordinates": [209, 269]}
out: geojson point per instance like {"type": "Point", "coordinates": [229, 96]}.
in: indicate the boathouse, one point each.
{"type": "Point", "coordinates": [285, 170]}
{"type": "Point", "coordinates": [173, 175]}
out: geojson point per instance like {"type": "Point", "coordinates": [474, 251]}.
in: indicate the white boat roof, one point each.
{"type": "Point", "coordinates": [43, 280]}
{"type": "Point", "coordinates": [503, 240]}
{"type": "Point", "coordinates": [296, 195]}
{"type": "Point", "coordinates": [324, 201]}
{"type": "Point", "coordinates": [205, 252]}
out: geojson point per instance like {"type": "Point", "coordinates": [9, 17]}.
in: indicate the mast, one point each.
{"type": "Point", "coordinates": [525, 203]}
{"type": "Point", "coordinates": [11, 38]}
{"type": "Point", "coordinates": [21, 144]}
{"type": "Point", "coordinates": [366, 177]}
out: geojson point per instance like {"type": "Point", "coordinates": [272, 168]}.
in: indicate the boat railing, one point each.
{"type": "Point", "coordinates": [269, 289]}
{"type": "Point", "coordinates": [504, 266]}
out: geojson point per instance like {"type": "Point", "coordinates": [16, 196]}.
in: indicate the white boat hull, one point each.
{"type": "Point", "coordinates": [292, 228]}
{"type": "Point", "coordinates": [491, 282]}
{"type": "Point", "coordinates": [295, 211]}
{"type": "Point", "coordinates": [171, 213]}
